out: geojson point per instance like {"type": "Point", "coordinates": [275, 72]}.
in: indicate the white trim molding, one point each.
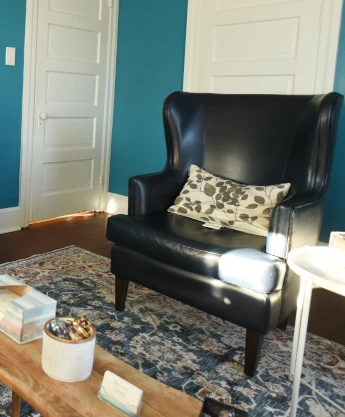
{"type": "Point", "coordinates": [328, 45]}
{"type": "Point", "coordinates": [192, 43]}
{"type": "Point", "coordinates": [109, 106]}
{"type": "Point", "coordinates": [28, 108]}
{"type": "Point", "coordinates": [9, 220]}
{"type": "Point", "coordinates": [116, 204]}
{"type": "Point", "coordinates": [330, 23]}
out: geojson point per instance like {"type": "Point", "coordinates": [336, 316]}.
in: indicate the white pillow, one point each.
{"type": "Point", "coordinates": [226, 203]}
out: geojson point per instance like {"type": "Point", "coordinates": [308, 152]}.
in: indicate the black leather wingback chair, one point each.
{"type": "Point", "coordinates": [253, 139]}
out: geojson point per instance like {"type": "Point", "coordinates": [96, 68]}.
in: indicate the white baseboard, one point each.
{"type": "Point", "coordinates": [116, 204]}
{"type": "Point", "coordinates": [9, 220]}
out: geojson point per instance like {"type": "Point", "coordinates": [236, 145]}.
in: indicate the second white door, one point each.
{"type": "Point", "coordinates": [257, 46]}
{"type": "Point", "coordinates": [69, 106]}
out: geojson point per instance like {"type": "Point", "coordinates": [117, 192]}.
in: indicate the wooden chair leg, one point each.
{"type": "Point", "coordinates": [16, 404]}
{"type": "Point", "coordinates": [253, 348]}
{"type": "Point", "coordinates": [121, 288]}
{"type": "Point", "coordinates": [283, 324]}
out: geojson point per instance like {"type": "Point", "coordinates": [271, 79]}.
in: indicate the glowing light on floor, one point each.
{"type": "Point", "coordinates": [80, 214]}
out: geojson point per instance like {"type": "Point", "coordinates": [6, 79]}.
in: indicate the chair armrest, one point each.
{"type": "Point", "coordinates": [152, 193]}
{"type": "Point", "coordinates": [295, 222]}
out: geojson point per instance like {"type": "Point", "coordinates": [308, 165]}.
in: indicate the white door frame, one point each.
{"type": "Point", "coordinates": [28, 107]}
{"type": "Point", "coordinates": [327, 55]}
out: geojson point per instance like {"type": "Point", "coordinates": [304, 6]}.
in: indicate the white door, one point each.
{"type": "Point", "coordinates": [257, 46]}
{"type": "Point", "coordinates": [71, 68]}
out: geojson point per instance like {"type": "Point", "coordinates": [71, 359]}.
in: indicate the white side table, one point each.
{"type": "Point", "coordinates": [317, 265]}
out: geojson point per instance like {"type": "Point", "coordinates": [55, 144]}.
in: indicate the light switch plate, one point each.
{"type": "Point", "coordinates": [10, 56]}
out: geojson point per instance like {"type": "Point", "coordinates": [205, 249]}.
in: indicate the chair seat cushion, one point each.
{"type": "Point", "coordinates": [229, 255]}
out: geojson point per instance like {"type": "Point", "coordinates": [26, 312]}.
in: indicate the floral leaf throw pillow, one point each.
{"type": "Point", "coordinates": [226, 203]}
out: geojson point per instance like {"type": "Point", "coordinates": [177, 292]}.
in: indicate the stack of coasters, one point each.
{"type": "Point", "coordinates": [6, 296]}
{"type": "Point", "coordinates": [120, 394]}
{"type": "Point", "coordinates": [23, 310]}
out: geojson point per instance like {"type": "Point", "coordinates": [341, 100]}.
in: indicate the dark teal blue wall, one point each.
{"type": "Point", "coordinates": [149, 66]}
{"type": "Point", "coordinates": [334, 216]}
{"type": "Point", "coordinates": [150, 61]}
{"type": "Point", "coordinates": [12, 30]}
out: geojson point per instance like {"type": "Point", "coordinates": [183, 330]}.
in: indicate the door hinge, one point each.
{"type": "Point", "coordinates": [100, 182]}
{"type": "Point", "coordinates": [110, 3]}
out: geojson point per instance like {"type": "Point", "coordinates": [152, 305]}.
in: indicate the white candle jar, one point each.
{"type": "Point", "coordinates": [67, 360]}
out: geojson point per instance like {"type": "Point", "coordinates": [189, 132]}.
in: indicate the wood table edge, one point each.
{"type": "Point", "coordinates": [155, 392]}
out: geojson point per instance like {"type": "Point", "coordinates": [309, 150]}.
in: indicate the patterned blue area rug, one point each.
{"type": "Point", "coordinates": [178, 345]}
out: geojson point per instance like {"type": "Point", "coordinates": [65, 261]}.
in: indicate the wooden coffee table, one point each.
{"type": "Point", "coordinates": [21, 371]}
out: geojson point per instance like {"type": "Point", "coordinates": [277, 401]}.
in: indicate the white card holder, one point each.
{"type": "Point", "coordinates": [120, 394]}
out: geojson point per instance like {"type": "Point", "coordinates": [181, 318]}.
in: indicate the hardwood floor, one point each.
{"type": "Point", "coordinates": [327, 313]}
{"type": "Point", "coordinates": [85, 231]}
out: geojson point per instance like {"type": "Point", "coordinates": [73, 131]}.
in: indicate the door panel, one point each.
{"type": "Point", "coordinates": [263, 46]}
{"type": "Point", "coordinates": [84, 8]}
{"type": "Point", "coordinates": [71, 88]}
{"type": "Point", "coordinates": [256, 46]}
{"type": "Point", "coordinates": [66, 133]}
{"type": "Point", "coordinates": [69, 106]}
{"type": "Point", "coordinates": [83, 45]}
{"type": "Point", "coordinates": [279, 84]}
{"type": "Point", "coordinates": [73, 176]}
{"type": "Point", "coordinates": [235, 4]}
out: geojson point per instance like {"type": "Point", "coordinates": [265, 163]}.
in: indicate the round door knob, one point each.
{"type": "Point", "coordinates": [43, 116]}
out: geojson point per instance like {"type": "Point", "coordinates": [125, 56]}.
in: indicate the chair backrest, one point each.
{"type": "Point", "coordinates": [253, 139]}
